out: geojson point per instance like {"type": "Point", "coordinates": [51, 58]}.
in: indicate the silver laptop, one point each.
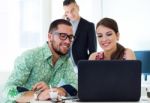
{"type": "Point", "coordinates": [109, 80]}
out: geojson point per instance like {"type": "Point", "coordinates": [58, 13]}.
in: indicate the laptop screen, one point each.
{"type": "Point", "coordinates": [109, 80]}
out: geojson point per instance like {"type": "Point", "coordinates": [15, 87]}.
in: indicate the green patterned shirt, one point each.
{"type": "Point", "coordinates": [34, 66]}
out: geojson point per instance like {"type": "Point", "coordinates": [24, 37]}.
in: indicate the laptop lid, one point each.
{"type": "Point", "coordinates": [109, 80]}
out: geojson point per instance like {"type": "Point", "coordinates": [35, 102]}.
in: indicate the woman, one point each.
{"type": "Point", "coordinates": [108, 35]}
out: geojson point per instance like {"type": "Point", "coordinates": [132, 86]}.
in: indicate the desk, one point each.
{"type": "Point", "coordinates": [28, 97]}
{"type": "Point", "coordinates": [70, 101]}
{"type": "Point", "coordinates": [24, 100]}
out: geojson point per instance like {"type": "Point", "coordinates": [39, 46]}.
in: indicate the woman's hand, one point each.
{"type": "Point", "coordinates": [61, 91]}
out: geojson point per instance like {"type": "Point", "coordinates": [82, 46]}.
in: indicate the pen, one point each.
{"type": "Point", "coordinates": [50, 86]}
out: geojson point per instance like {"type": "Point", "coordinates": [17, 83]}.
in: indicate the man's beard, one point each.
{"type": "Point", "coordinates": [57, 50]}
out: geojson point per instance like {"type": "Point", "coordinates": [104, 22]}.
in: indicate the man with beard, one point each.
{"type": "Point", "coordinates": [40, 67]}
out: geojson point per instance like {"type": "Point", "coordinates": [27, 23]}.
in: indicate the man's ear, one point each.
{"type": "Point", "coordinates": [66, 17]}
{"type": "Point", "coordinates": [49, 36]}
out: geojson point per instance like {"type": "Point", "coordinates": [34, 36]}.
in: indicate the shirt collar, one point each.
{"type": "Point", "coordinates": [46, 51]}
{"type": "Point", "coordinates": [75, 21]}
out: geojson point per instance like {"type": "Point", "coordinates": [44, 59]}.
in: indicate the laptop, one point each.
{"type": "Point", "coordinates": [109, 80]}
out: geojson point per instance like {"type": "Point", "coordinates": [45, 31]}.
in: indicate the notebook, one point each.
{"type": "Point", "coordinates": [109, 80]}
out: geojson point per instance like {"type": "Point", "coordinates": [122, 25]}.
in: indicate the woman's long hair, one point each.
{"type": "Point", "coordinates": [118, 55]}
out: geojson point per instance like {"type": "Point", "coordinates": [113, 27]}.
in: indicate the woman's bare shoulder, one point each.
{"type": "Point", "coordinates": [129, 54]}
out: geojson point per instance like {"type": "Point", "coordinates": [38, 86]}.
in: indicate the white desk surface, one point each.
{"type": "Point", "coordinates": [143, 99]}
{"type": "Point", "coordinates": [28, 96]}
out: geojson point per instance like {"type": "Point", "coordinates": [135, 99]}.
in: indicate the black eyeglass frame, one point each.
{"type": "Point", "coordinates": [64, 36]}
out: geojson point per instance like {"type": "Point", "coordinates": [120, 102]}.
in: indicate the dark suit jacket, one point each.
{"type": "Point", "coordinates": [85, 41]}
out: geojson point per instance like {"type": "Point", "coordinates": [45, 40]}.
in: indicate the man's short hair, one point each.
{"type": "Point", "coordinates": [54, 24]}
{"type": "Point", "coordinates": [67, 2]}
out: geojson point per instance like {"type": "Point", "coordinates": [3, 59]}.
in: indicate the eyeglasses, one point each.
{"type": "Point", "coordinates": [64, 36]}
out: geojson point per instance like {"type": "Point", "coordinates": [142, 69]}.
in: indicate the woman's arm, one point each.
{"type": "Point", "coordinates": [129, 54]}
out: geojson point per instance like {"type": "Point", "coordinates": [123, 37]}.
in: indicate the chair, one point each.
{"type": "Point", "coordinates": [144, 57]}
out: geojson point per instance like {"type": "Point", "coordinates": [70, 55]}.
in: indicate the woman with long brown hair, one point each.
{"type": "Point", "coordinates": [108, 36]}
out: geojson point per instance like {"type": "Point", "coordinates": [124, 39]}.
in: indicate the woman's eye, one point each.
{"type": "Point", "coordinates": [109, 34]}
{"type": "Point", "coordinates": [99, 36]}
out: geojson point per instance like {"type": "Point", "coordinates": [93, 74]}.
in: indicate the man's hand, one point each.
{"type": "Point", "coordinates": [25, 97]}
{"type": "Point", "coordinates": [40, 86]}
{"type": "Point", "coordinates": [45, 94]}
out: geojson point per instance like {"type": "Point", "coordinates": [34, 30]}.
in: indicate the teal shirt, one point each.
{"type": "Point", "coordinates": [34, 66]}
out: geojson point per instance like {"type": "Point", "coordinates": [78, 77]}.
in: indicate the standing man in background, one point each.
{"type": "Point", "coordinates": [85, 37]}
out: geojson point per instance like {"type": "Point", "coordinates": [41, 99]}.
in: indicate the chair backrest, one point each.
{"type": "Point", "coordinates": [144, 57]}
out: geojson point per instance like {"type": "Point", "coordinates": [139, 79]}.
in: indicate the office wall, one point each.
{"type": "Point", "coordinates": [133, 20]}
{"type": "Point", "coordinates": [24, 25]}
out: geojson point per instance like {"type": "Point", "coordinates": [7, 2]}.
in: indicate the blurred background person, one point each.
{"type": "Point", "coordinates": [84, 31]}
